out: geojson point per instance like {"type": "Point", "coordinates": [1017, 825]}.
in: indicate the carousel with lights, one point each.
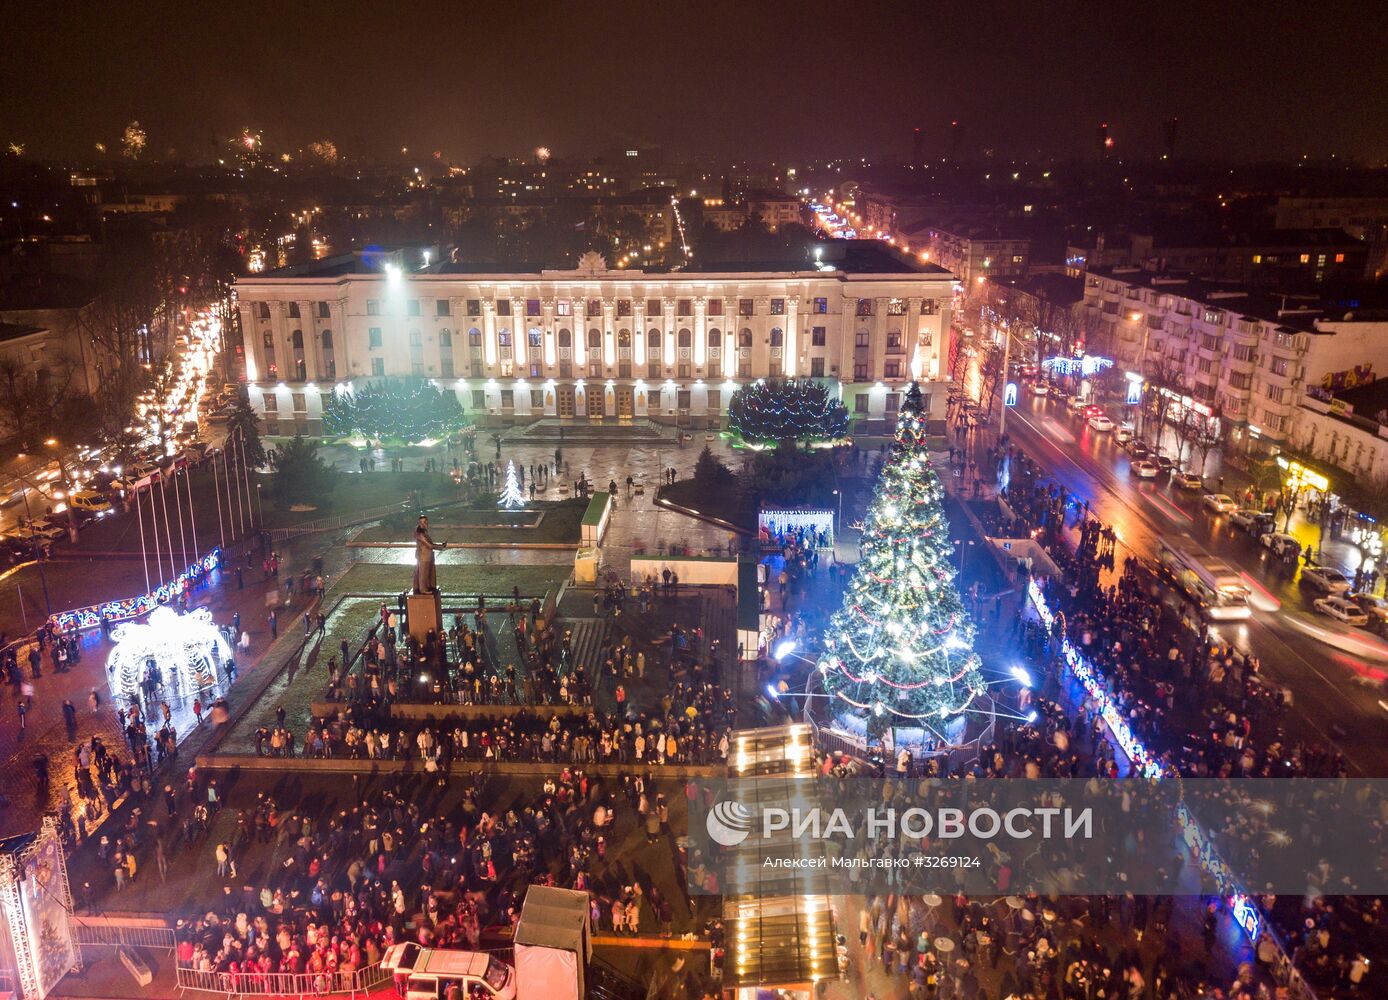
{"type": "Point", "coordinates": [168, 656]}
{"type": "Point", "coordinates": [898, 663]}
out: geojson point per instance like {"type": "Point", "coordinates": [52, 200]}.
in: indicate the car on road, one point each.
{"type": "Point", "coordinates": [1187, 481]}
{"type": "Point", "coordinates": [1039, 388]}
{"type": "Point", "coordinates": [1164, 462]}
{"type": "Point", "coordinates": [1279, 542]}
{"type": "Point", "coordinates": [1255, 522]}
{"type": "Point", "coordinates": [1124, 434]}
{"type": "Point", "coordinates": [1324, 578]}
{"type": "Point", "coordinates": [1375, 607]}
{"type": "Point", "coordinates": [1144, 469]}
{"type": "Point", "coordinates": [1074, 404]}
{"type": "Point", "coordinates": [1138, 450]}
{"type": "Point", "coordinates": [1101, 423]}
{"type": "Point", "coordinates": [1220, 503]}
{"type": "Point", "coordinates": [1341, 609]}
{"type": "Point", "coordinates": [89, 501]}
{"type": "Point", "coordinates": [38, 532]}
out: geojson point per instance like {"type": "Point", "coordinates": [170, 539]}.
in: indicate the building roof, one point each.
{"type": "Point", "coordinates": [1299, 311]}
{"type": "Point", "coordinates": [14, 331]}
{"type": "Point", "coordinates": [1368, 399]}
{"type": "Point", "coordinates": [856, 257]}
{"type": "Point", "coordinates": [1053, 286]}
{"type": "Point", "coordinates": [846, 256]}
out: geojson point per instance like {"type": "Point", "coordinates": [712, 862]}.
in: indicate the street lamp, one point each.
{"type": "Point", "coordinates": [62, 472]}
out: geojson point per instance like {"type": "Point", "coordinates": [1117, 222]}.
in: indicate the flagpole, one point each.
{"type": "Point", "coordinates": [144, 554]}
{"type": "Point", "coordinates": [178, 507]}
{"type": "Point", "coordinates": [192, 521]}
{"type": "Point", "coordinates": [217, 491]}
{"type": "Point", "coordinates": [168, 534]}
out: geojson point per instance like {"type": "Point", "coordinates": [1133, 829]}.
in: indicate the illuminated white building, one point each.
{"type": "Point", "coordinates": [594, 343]}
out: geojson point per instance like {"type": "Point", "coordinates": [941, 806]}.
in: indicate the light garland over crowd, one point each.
{"type": "Point", "coordinates": [902, 644]}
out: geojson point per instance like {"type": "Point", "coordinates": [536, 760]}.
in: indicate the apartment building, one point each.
{"type": "Point", "coordinates": [594, 343]}
{"type": "Point", "coordinates": [1240, 354]}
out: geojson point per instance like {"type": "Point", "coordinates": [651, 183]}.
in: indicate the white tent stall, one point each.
{"type": "Point", "coordinates": [553, 944]}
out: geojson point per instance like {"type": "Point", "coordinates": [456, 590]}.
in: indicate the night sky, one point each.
{"type": "Point", "coordinates": [1246, 80]}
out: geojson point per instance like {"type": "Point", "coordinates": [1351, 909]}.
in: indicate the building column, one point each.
{"type": "Point", "coordinates": [489, 351]}
{"type": "Point", "coordinates": [700, 343]}
{"type": "Point", "coordinates": [638, 346]}
{"type": "Point", "coordinates": [789, 342]}
{"type": "Point", "coordinates": [520, 343]}
{"type": "Point", "coordinates": [609, 335]}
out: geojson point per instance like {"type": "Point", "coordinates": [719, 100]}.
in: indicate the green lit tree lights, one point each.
{"type": "Point", "coordinates": [900, 650]}
{"type": "Point", "coordinates": [786, 409]}
{"type": "Point", "coordinates": [408, 412]}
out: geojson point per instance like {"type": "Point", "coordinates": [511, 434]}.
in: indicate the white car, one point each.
{"type": "Point", "coordinates": [1039, 388]}
{"type": "Point", "coordinates": [1326, 579]}
{"type": "Point", "coordinates": [1220, 503]}
{"type": "Point", "coordinates": [1279, 542]}
{"type": "Point", "coordinates": [1101, 423]}
{"type": "Point", "coordinates": [1124, 434]}
{"type": "Point", "coordinates": [1074, 404]}
{"type": "Point", "coordinates": [1145, 469]}
{"type": "Point", "coordinates": [1187, 481]}
{"type": "Point", "coordinates": [1341, 609]}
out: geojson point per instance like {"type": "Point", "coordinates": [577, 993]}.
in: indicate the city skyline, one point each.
{"type": "Point", "coordinates": [1021, 82]}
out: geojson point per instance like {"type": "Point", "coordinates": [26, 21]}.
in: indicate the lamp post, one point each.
{"type": "Point", "coordinates": [38, 555]}
{"type": "Point", "coordinates": [62, 471]}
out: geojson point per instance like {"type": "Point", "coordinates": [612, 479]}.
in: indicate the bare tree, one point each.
{"type": "Point", "coordinates": [30, 399]}
{"type": "Point", "coordinates": [1163, 384]}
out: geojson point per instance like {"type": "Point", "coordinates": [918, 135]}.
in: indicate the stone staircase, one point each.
{"type": "Point", "coordinates": [587, 639]}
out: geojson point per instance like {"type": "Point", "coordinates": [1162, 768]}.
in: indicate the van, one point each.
{"type": "Point", "coordinates": [429, 972]}
{"type": "Point", "coordinates": [90, 501]}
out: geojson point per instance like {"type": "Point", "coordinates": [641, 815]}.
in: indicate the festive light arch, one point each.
{"type": "Point", "coordinates": [185, 648]}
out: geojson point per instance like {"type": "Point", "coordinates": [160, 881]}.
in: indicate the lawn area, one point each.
{"type": "Point", "coordinates": [357, 491]}
{"type": "Point", "coordinates": [463, 581]}
{"type": "Point", "coordinates": [296, 688]}
{"type": "Point", "coordinates": [725, 502]}
{"type": "Point", "coordinates": [552, 522]}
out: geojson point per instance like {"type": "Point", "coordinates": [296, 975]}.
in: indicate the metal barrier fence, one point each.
{"type": "Point", "coordinates": [109, 934]}
{"type": "Point", "coordinates": [283, 984]}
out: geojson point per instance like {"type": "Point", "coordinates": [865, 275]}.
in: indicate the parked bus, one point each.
{"type": "Point", "coordinates": [1206, 579]}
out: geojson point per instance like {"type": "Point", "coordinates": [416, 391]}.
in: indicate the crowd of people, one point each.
{"type": "Point", "coordinates": [1198, 702]}
{"type": "Point", "coordinates": [417, 863]}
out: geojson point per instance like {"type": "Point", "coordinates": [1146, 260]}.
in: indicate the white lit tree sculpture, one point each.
{"type": "Point", "coordinates": [900, 650]}
{"type": "Point", "coordinates": [511, 496]}
{"type": "Point", "coordinates": [185, 649]}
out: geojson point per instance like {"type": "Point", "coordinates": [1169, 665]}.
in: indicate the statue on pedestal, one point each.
{"type": "Point", "coordinates": [425, 578]}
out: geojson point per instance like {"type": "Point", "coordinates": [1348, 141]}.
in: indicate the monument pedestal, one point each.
{"type": "Point", "coordinates": [424, 614]}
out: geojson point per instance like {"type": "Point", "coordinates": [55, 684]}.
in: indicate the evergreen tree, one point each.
{"type": "Point", "coordinates": [242, 421]}
{"type": "Point", "coordinates": [301, 477]}
{"type": "Point", "coordinates": [901, 647]}
{"type": "Point", "coordinates": [708, 471]}
{"type": "Point", "coordinates": [397, 411]}
{"type": "Point", "coordinates": [786, 409]}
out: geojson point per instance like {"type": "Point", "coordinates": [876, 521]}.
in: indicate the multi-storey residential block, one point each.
{"type": "Point", "coordinates": [595, 343]}
{"type": "Point", "coordinates": [1243, 355]}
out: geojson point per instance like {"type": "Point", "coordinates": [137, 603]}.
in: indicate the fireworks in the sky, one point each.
{"type": "Point", "coordinates": [133, 140]}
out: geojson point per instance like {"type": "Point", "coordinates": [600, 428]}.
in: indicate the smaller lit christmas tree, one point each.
{"type": "Point", "coordinates": [511, 497]}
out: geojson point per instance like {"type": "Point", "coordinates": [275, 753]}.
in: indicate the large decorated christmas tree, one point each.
{"type": "Point", "coordinates": [900, 650]}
